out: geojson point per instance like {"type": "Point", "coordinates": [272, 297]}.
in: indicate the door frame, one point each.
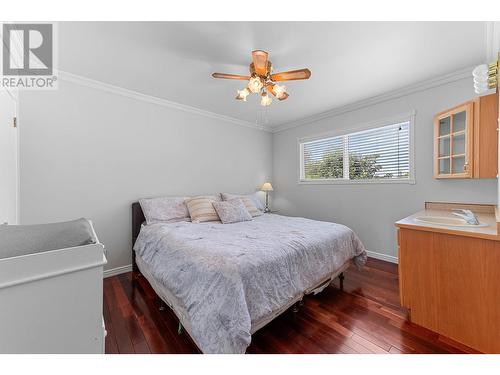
{"type": "Point", "coordinates": [14, 95]}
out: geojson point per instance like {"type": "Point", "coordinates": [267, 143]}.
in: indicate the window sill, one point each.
{"type": "Point", "coordinates": [339, 181]}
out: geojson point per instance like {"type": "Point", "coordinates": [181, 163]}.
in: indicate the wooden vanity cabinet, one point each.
{"type": "Point", "coordinates": [451, 285]}
{"type": "Point", "coordinates": [466, 140]}
{"type": "Point", "coordinates": [485, 160]}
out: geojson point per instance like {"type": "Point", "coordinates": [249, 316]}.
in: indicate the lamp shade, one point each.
{"type": "Point", "coordinates": [267, 187]}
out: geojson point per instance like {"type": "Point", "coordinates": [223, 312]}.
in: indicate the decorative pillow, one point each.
{"type": "Point", "coordinates": [201, 209]}
{"type": "Point", "coordinates": [164, 209]}
{"type": "Point", "coordinates": [254, 197]}
{"type": "Point", "coordinates": [249, 205]}
{"type": "Point", "coordinates": [232, 211]}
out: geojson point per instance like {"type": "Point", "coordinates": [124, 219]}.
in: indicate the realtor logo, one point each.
{"type": "Point", "coordinates": [28, 56]}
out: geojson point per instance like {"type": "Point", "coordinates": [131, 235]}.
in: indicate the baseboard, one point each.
{"type": "Point", "coordinates": [387, 258]}
{"type": "Point", "coordinates": [117, 270]}
{"type": "Point", "coordinates": [128, 267]}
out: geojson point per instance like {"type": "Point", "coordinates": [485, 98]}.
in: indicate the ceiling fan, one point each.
{"type": "Point", "coordinates": [262, 80]}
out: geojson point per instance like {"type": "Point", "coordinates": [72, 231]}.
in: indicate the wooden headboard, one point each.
{"type": "Point", "coordinates": [137, 220]}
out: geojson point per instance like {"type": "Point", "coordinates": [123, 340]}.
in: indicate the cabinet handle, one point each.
{"type": "Point", "coordinates": [466, 167]}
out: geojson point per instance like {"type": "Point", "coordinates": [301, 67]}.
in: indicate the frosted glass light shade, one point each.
{"type": "Point", "coordinates": [481, 71]}
{"type": "Point", "coordinates": [242, 94]}
{"type": "Point", "coordinates": [279, 91]}
{"type": "Point", "coordinates": [481, 86]}
{"type": "Point", "coordinates": [265, 100]}
{"type": "Point", "coordinates": [267, 187]}
{"type": "Point", "coordinates": [255, 84]}
{"type": "Point", "coordinates": [480, 74]}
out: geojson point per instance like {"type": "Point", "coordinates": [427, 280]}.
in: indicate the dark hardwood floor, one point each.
{"type": "Point", "coordinates": [363, 318]}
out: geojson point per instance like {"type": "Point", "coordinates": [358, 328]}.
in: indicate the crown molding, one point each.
{"type": "Point", "coordinates": [394, 94]}
{"type": "Point", "coordinates": [98, 85]}
{"type": "Point", "coordinates": [407, 90]}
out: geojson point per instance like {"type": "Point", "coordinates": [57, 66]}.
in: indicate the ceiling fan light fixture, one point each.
{"type": "Point", "coordinates": [262, 79]}
{"type": "Point", "coordinates": [485, 77]}
{"type": "Point", "coordinates": [280, 91]}
{"type": "Point", "coordinates": [265, 100]}
{"type": "Point", "coordinates": [255, 84]}
{"type": "Point", "coordinates": [242, 94]}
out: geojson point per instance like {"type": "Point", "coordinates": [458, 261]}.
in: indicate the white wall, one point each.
{"type": "Point", "coordinates": [91, 153]}
{"type": "Point", "coordinates": [372, 209]}
{"type": "Point", "coordinates": [87, 152]}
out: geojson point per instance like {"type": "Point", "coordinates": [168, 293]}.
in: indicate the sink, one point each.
{"type": "Point", "coordinates": [448, 221]}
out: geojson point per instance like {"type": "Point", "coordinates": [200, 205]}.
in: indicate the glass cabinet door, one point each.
{"type": "Point", "coordinates": [444, 166]}
{"type": "Point", "coordinates": [444, 145]}
{"type": "Point", "coordinates": [458, 142]}
{"type": "Point", "coordinates": [452, 134]}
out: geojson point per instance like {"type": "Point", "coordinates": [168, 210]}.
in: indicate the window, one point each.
{"type": "Point", "coordinates": [377, 154]}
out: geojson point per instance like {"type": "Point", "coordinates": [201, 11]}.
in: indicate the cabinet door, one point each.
{"type": "Point", "coordinates": [485, 158]}
{"type": "Point", "coordinates": [450, 284]}
{"type": "Point", "coordinates": [417, 273]}
{"type": "Point", "coordinates": [453, 132]}
{"type": "Point", "coordinates": [469, 292]}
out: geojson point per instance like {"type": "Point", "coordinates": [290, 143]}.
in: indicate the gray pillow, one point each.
{"type": "Point", "coordinates": [17, 240]}
{"type": "Point", "coordinates": [255, 199]}
{"type": "Point", "coordinates": [232, 211]}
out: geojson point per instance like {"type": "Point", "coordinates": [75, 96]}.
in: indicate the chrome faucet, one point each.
{"type": "Point", "coordinates": [467, 215]}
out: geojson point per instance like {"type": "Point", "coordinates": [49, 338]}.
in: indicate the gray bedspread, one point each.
{"type": "Point", "coordinates": [226, 276]}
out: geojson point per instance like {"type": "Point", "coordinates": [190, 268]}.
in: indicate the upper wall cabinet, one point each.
{"type": "Point", "coordinates": [466, 140]}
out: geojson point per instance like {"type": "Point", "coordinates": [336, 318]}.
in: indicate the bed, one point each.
{"type": "Point", "coordinates": [226, 281]}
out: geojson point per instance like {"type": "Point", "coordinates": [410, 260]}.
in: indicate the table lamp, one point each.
{"type": "Point", "coordinates": [267, 187]}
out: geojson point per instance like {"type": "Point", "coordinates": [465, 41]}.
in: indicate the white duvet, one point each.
{"type": "Point", "coordinates": [226, 276]}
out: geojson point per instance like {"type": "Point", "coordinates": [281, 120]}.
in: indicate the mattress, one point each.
{"type": "Point", "coordinates": [224, 281]}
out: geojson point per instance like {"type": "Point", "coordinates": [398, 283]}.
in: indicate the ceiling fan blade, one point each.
{"type": "Point", "coordinates": [259, 59]}
{"type": "Point", "coordinates": [230, 76]}
{"type": "Point", "coordinates": [292, 75]}
{"type": "Point", "coordinates": [270, 88]}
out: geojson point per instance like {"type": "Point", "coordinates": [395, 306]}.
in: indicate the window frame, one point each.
{"type": "Point", "coordinates": [404, 117]}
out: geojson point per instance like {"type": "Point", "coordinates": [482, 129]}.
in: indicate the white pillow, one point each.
{"type": "Point", "coordinates": [233, 211]}
{"type": "Point", "coordinates": [253, 197]}
{"type": "Point", "coordinates": [164, 209]}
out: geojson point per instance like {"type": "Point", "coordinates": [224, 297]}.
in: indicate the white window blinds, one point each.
{"type": "Point", "coordinates": [324, 158]}
{"type": "Point", "coordinates": [378, 153]}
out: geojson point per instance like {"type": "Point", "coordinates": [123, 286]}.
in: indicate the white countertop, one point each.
{"type": "Point", "coordinates": [488, 232]}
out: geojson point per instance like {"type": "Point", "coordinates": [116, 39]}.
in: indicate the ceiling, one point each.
{"type": "Point", "coordinates": [349, 61]}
